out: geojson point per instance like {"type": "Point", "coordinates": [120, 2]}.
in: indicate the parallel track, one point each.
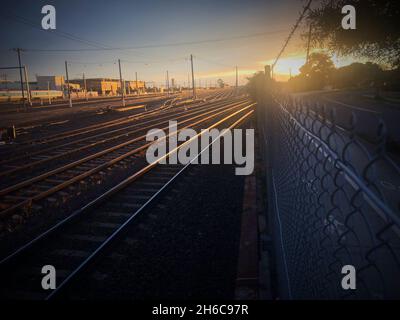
{"type": "Point", "coordinates": [73, 243]}
{"type": "Point", "coordinates": [22, 195]}
{"type": "Point", "coordinates": [125, 128]}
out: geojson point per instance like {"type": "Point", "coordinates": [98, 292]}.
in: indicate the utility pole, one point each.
{"type": "Point", "coordinates": [122, 85]}
{"type": "Point", "coordinates": [68, 88]}
{"type": "Point", "coordinates": [84, 84]}
{"type": "Point", "coordinates": [236, 78]}
{"type": "Point", "coordinates": [5, 80]}
{"type": "Point", "coordinates": [193, 87]}
{"type": "Point", "coordinates": [188, 84]}
{"type": "Point", "coordinates": [18, 50]}
{"type": "Point", "coordinates": [28, 92]}
{"type": "Point", "coordinates": [48, 91]}
{"type": "Point", "coordinates": [167, 84]}
{"type": "Point", "coordinates": [308, 44]}
{"type": "Point", "coordinates": [137, 88]}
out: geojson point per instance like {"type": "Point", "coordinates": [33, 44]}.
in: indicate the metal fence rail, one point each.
{"type": "Point", "coordinates": [330, 205]}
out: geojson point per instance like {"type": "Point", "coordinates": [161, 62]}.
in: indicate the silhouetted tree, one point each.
{"type": "Point", "coordinates": [315, 74]}
{"type": "Point", "coordinates": [357, 74]}
{"type": "Point", "coordinates": [220, 83]}
{"type": "Point", "coordinates": [256, 85]}
{"type": "Point", "coordinates": [377, 33]}
{"type": "Point", "coordinates": [318, 69]}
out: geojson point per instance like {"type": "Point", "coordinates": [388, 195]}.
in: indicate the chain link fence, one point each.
{"type": "Point", "coordinates": [329, 204]}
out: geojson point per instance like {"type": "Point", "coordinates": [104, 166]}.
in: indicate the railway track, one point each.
{"type": "Point", "coordinates": [73, 243]}
{"type": "Point", "coordinates": [63, 183]}
{"type": "Point", "coordinates": [26, 146]}
{"type": "Point", "coordinates": [85, 139]}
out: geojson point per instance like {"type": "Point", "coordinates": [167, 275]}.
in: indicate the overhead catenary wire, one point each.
{"type": "Point", "coordinates": [15, 17]}
{"type": "Point", "coordinates": [161, 45]}
{"type": "Point", "coordinates": [214, 62]}
{"type": "Point", "coordinates": [99, 46]}
{"type": "Point", "coordinates": [305, 9]}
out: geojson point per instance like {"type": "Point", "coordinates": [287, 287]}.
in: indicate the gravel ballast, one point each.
{"type": "Point", "coordinates": [184, 247]}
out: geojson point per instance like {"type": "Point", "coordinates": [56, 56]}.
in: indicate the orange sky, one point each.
{"type": "Point", "coordinates": [291, 63]}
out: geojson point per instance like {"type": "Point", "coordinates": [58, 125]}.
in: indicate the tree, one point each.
{"type": "Point", "coordinates": [377, 35]}
{"type": "Point", "coordinates": [319, 67]}
{"type": "Point", "coordinates": [221, 83]}
{"type": "Point", "coordinates": [357, 74]}
{"type": "Point", "coordinates": [256, 85]}
{"type": "Point", "coordinates": [315, 74]}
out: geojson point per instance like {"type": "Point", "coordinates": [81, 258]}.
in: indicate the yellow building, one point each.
{"type": "Point", "coordinates": [108, 86]}
{"type": "Point", "coordinates": [104, 86]}
{"type": "Point", "coordinates": [132, 85]}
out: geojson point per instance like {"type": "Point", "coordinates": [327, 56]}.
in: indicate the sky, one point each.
{"type": "Point", "coordinates": [250, 34]}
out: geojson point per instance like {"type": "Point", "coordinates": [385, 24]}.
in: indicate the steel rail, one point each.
{"type": "Point", "coordinates": [121, 185]}
{"type": "Point", "coordinates": [28, 201]}
{"type": "Point", "coordinates": [88, 129]}
{"type": "Point", "coordinates": [66, 153]}
{"type": "Point", "coordinates": [100, 153]}
{"type": "Point", "coordinates": [163, 107]}
{"type": "Point", "coordinates": [92, 128]}
{"type": "Point", "coordinates": [117, 232]}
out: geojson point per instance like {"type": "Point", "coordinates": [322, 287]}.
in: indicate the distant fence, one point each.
{"type": "Point", "coordinates": [329, 205]}
{"type": "Point", "coordinates": [14, 95]}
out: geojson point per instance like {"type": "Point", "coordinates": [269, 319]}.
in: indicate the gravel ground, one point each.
{"type": "Point", "coordinates": [35, 125]}
{"type": "Point", "coordinates": [185, 247]}
{"type": "Point", "coordinates": [39, 116]}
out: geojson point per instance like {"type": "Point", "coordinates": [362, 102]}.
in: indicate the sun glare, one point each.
{"type": "Point", "coordinates": [290, 65]}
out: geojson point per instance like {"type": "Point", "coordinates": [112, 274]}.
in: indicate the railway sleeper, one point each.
{"type": "Point", "coordinates": [38, 158]}
{"type": "Point", "coordinates": [158, 178]}
{"type": "Point", "coordinates": [85, 238]}
{"type": "Point", "coordinates": [15, 197]}
{"type": "Point", "coordinates": [43, 186]}
{"type": "Point", "coordinates": [75, 172]}
{"type": "Point", "coordinates": [117, 214]}
{"type": "Point", "coordinates": [55, 181]}
{"type": "Point", "coordinates": [70, 253]}
{"type": "Point", "coordinates": [86, 167]}
{"type": "Point", "coordinates": [128, 206]}
{"type": "Point", "coordinates": [132, 198]}
{"type": "Point", "coordinates": [103, 225]}
{"type": "Point", "coordinates": [152, 184]}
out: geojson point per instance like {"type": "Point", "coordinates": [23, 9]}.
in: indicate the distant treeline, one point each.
{"type": "Point", "coordinates": [320, 73]}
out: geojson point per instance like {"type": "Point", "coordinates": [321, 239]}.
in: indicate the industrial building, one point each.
{"type": "Point", "coordinates": [103, 86]}
{"type": "Point", "coordinates": [50, 82]}
{"type": "Point", "coordinates": [109, 86]}
{"type": "Point", "coordinates": [134, 86]}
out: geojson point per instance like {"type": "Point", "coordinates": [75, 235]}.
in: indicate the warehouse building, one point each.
{"type": "Point", "coordinates": [50, 82]}
{"type": "Point", "coordinates": [134, 86]}
{"type": "Point", "coordinates": [103, 86]}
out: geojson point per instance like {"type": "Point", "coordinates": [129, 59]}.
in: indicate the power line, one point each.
{"type": "Point", "coordinates": [14, 17]}
{"type": "Point", "coordinates": [91, 62]}
{"type": "Point", "coordinates": [156, 61]}
{"type": "Point", "coordinates": [214, 62]}
{"type": "Point", "coordinates": [160, 45]}
{"type": "Point", "coordinates": [292, 32]}
{"type": "Point", "coordinates": [99, 46]}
